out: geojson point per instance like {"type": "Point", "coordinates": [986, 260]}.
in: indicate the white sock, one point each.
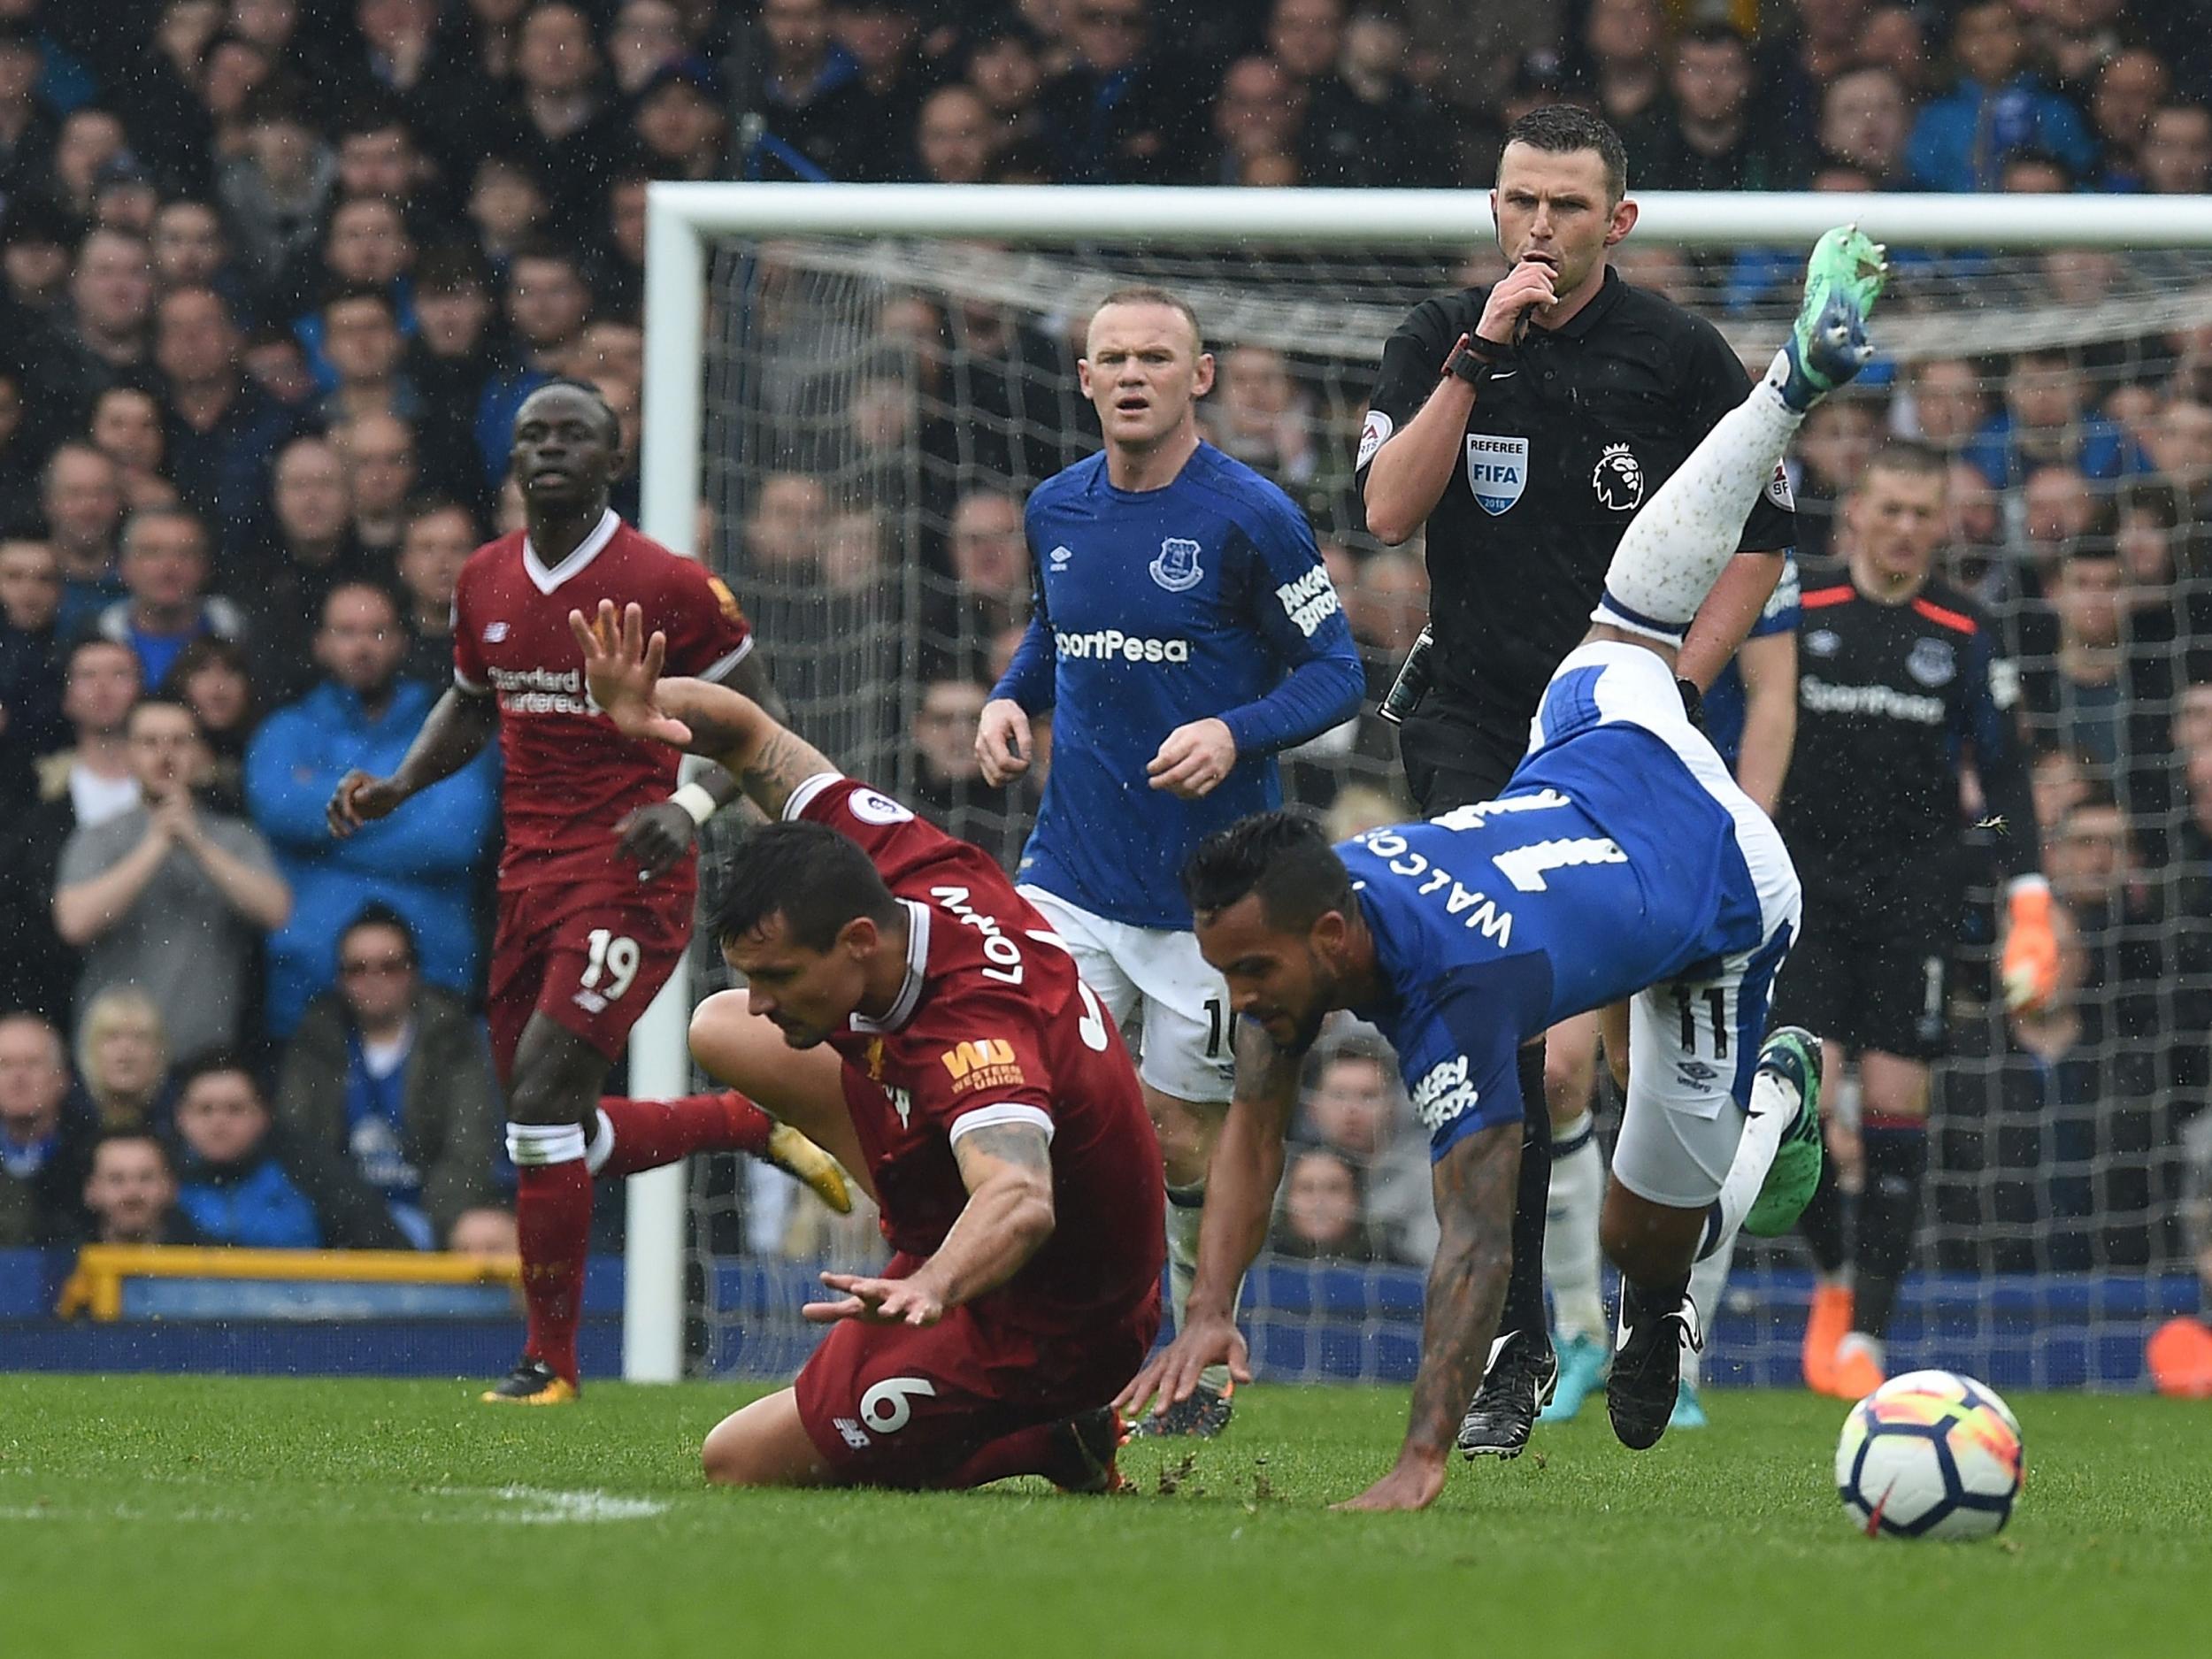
{"type": "Point", "coordinates": [1774, 1106]}
{"type": "Point", "coordinates": [1676, 547]}
{"type": "Point", "coordinates": [1707, 1279]}
{"type": "Point", "coordinates": [602, 1146]}
{"type": "Point", "coordinates": [1186, 1210]}
{"type": "Point", "coordinates": [544, 1143]}
{"type": "Point", "coordinates": [1570, 1231]}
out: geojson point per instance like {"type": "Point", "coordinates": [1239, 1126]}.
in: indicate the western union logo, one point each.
{"type": "Point", "coordinates": [962, 1058]}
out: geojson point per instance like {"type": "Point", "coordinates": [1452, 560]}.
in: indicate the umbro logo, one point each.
{"type": "Point", "coordinates": [1058, 559]}
{"type": "Point", "coordinates": [495, 631]}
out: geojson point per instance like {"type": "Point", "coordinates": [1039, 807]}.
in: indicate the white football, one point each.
{"type": "Point", "coordinates": [1929, 1455]}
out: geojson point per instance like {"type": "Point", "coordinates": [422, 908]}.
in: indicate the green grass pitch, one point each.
{"type": "Point", "coordinates": [176, 1517]}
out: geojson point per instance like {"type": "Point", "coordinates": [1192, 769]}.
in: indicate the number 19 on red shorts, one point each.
{"type": "Point", "coordinates": [588, 958]}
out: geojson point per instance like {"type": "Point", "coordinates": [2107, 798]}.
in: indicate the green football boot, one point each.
{"type": "Point", "coordinates": [1792, 1053]}
{"type": "Point", "coordinates": [1828, 344]}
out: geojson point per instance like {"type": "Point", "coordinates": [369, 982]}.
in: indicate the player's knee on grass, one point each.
{"type": "Point", "coordinates": [762, 1445]}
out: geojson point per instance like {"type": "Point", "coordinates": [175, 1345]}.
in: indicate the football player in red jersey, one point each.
{"type": "Point", "coordinates": [909, 1010]}
{"type": "Point", "coordinates": [597, 880]}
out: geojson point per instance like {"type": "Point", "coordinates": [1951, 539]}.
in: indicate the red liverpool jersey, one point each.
{"type": "Point", "coordinates": [570, 777]}
{"type": "Point", "coordinates": [995, 1026]}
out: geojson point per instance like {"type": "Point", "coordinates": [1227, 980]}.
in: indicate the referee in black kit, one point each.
{"type": "Point", "coordinates": [1525, 423]}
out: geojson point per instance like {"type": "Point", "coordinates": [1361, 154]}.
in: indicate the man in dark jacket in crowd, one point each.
{"type": "Point", "coordinates": [393, 1075]}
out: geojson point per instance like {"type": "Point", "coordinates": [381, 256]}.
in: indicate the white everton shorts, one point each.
{"type": "Point", "coordinates": [1154, 979]}
{"type": "Point", "coordinates": [1694, 1044]}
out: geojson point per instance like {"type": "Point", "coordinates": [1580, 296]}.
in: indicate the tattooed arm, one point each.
{"type": "Point", "coordinates": [1241, 1182]}
{"type": "Point", "coordinates": [1007, 1169]}
{"type": "Point", "coordinates": [749, 680]}
{"type": "Point", "coordinates": [1474, 1185]}
{"type": "Point", "coordinates": [1247, 1168]}
{"type": "Point", "coordinates": [728, 727]}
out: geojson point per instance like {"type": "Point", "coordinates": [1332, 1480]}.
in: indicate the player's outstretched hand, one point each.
{"type": "Point", "coordinates": [1170, 1376]}
{"type": "Point", "coordinates": [360, 799]}
{"type": "Point", "coordinates": [1412, 1484]}
{"type": "Point", "coordinates": [877, 1301]}
{"type": "Point", "coordinates": [1193, 759]}
{"type": "Point", "coordinates": [622, 666]}
{"type": "Point", "coordinates": [1002, 741]}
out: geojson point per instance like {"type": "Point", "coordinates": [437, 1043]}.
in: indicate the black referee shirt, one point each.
{"type": "Point", "coordinates": [1560, 452]}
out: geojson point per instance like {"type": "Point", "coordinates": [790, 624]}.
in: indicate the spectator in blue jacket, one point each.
{"type": "Point", "coordinates": [2047, 421]}
{"type": "Point", "coordinates": [165, 605]}
{"type": "Point", "coordinates": [1961, 141]}
{"type": "Point", "coordinates": [422, 861]}
{"type": "Point", "coordinates": [239, 1181]}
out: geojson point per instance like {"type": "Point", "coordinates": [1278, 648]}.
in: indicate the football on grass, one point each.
{"type": "Point", "coordinates": [1929, 1455]}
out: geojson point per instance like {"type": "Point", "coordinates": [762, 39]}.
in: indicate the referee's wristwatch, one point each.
{"type": "Point", "coordinates": [1476, 359]}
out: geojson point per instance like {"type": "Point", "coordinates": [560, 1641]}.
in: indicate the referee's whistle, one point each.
{"type": "Point", "coordinates": [1416, 674]}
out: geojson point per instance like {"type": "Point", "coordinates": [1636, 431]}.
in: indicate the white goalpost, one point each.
{"type": "Point", "coordinates": [738, 349]}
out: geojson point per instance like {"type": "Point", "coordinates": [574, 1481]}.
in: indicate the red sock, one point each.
{"type": "Point", "coordinates": [1048, 1449]}
{"type": "Point", "coordinates": [1024, 1452]}
{"type": "Point", "coordinates": [553, 1218]}
{"type": "Point", "coordinates": [651, 1133]}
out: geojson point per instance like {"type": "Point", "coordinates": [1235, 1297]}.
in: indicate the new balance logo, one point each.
{"type": "Point", "coordinates": [495, 631]}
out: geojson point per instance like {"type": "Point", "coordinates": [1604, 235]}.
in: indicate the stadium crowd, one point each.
{"type": "Point", "coordinates": [275, 279]}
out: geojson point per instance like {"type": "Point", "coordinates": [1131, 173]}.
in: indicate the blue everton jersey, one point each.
{"type": "Point", "coordinates": [1605, 867]}
{"type": "Point", "coordinates": [1154, 609]}
{"type": "Point", "coordinates": [1724, 703]}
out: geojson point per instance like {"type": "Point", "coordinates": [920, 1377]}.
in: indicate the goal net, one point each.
{"type": "Point", "coordinates": [877, 386]}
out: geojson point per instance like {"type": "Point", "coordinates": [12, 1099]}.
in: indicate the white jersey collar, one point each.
{"type": "Point", "coordinates": [590, 549]}
{"type": "Point", "coordinates": [917, 974]}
